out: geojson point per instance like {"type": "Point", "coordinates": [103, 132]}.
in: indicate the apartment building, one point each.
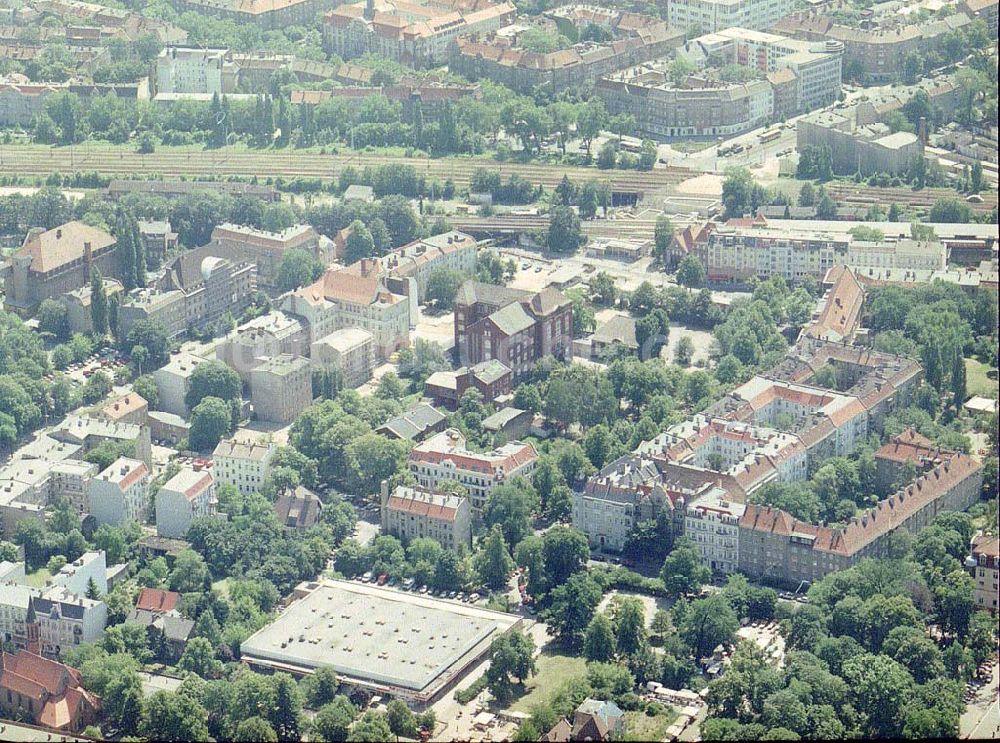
{"type": "Point", "coordinates": [624, 493]}
{"type": "Point", "coordinates": [350, 352]}
{"type": "Point", "coordinates": [120, 493]}
{"type": "Point", "coordinates": [814, 67]}
{"type": "Point", "coordinates": [173, 380]}
{"type": "Point", "coordinates": [491, 379]}
{"type": "Point", "coordinates": [354, 297]}
{"type": "Point", "coordinates": [184, 497]}
{"type": "Point", "coordinates": [79, 316]}
{"type": "Point", "coordinates": [414, 263]}
{"type": "Point", "coordinates": [53, 618]}
{"type": "Point", "coordinates": [266, 249]}
{"type": "Point", "coordinates": [776, 546]}
{"type": "Point", "coordinates": [708, 16]}
{"type": "Point", "coordinates": [511, 326]}
{"type": "Point", "coordinates": [985, 567]}
{"type": "Point", "coordinates": [299, 509]}
{"type": "Point", "coordinates": [245, 348]}
{"type": "Point", "coordinates": [77, 576]}
{"type": "Point", "coordinates": [70, 479]}
{"type": "Point", "coordinates": [417, 33]}
{"type": "Point", "coordinates": [196, 289]}
{"type": "Point", "coordinates": [445, 457]}
{"type": "Point", "coordinates": [634, 39]}
{"type": "Point", "coordinates": [86, 433]}
{"type": "Point", "coordinates": [736, 251]}
{"type": "Point", "coordinates": [712, 523]}
{"type": "Point", "coordinates": [157, 240]}
{"type": "Point", "coordinates": [777, 427]}
{"type": "Point", "coordinates": [410, 513]}
{"type": "Point", "coordinates": [243, 464]}
{"type": "Point", "coordinates": [840, 316]}
{"type": "Point", "coordinates": [281, 388]}
{"type": "Point", "coordinates": [429, 99]}
{"type": "Point", "coordinates": [701, 106]}
{"type": "Point", "coordinates": [195, 70]}
{"type": "Point", "coordinates": [21, 100]}
{"type": "Point", "coordinates": [51, 263]}
{"type": "Point", "coordinates": [267, 14]}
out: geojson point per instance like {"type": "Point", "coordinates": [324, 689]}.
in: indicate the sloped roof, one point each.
{"type": "Point", "coordinates": [512, 319]}
{"type": "Point", "coordinates": [157, 600]}
{"type": "Point", "coordinates": [64, 244]}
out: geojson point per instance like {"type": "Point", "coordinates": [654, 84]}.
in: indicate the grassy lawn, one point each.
{"type": "Point", "coordinates": [640, 726]}
{"type": "Point", "coordinates": [553, 670]}
{"type": "Point", "coordinates": [977, 383]}
{"type": "Point", "coordinates": [38, 578]}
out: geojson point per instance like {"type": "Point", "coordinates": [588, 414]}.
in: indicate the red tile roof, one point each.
{"type": "Point", "coordinates": [157, 600]}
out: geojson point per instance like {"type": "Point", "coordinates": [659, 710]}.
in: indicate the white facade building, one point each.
{"type": "Point", "coordinates": [712, 523]}
{"type": "Point", "coordinates": [244, 465]}
{"type": "Point", "coordinates": [75, 576]}
{"type": "Point", "coordinates": [120, 493]}
{"type": "Point", "coordinates": [708, 16]}
{"type": "Point", "coordinates": [186, 496]}
{"type": "Point", "coordinates": [444, 457]}
{"type": "Point", "coordinates": [172, 382]}
{"type": "Point", "coordinates": [187, 70]}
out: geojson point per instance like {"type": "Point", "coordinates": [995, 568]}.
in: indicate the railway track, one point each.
{"type": "Point", "coordinates": [36, 160]}
{"type": "Point", "coordinates": [923, 199]}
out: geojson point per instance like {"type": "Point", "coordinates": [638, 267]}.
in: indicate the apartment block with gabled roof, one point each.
{"type": "Point", "coordinates": [411, 513]}
{"type": "Point", "coordinates": [445, 457]}
{"type": "Point", "coordinates": [774, 544]}
{"type": "Point", "coordinates": [184, 497]}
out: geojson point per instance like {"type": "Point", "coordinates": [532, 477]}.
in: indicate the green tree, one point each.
{"type": "Point", "coordinates": [880, 688]}
{"type": "Point", "coordinates": [255, 729]}
{"type": "Point", "coordinates": [572, 606]}
{"type": "Point", "coordinates": [52, 319]}
{"type": "Point", "coordinates": [565, 234]}
{"type": "Point", "coordinates": [493, 562]}
{"type": "Point", "coordinates": [682, 571]}
{"type": "Point", "coordinates": [297, 268]}
{"type": "Point", "coordinates": [98, 303]}
{"type": "Point", "coordinates": [212, 379]}
{"type": "Point", "coordinates": [401, 719]}
{"type": "Point", "coordinates": [171, 716]}
{"type": "Point", "coordinates": [333, 720]}
{"type": "Point", "coordinates": [442, 286]}
{"type": "Point", "coordinates": [630, 626]}
{"type": "Point", "coordinates": [511, 657]}
{"type": "Point", "coordinates": [510, 506]}
{"type": "Point", "coordinates": [359, 244]}
{"type": "Point", "coordinates": [211, 420]}
{"type": "Point", "coordinates": [707, 623]}
{"type": "Point", "coordinates": [565, 552]}
{"type": "Point", "coordinates": [371, 728]}
{"type": "Point", "coordinates": [691, 273]}
{"type": "Point", "coordinates": [599, 639]}
{"type": "Point", "coordinates": [199, 658]}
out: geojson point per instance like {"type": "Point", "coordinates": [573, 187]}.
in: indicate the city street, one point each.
{"type": "Point", "coordinates": [981, 720]}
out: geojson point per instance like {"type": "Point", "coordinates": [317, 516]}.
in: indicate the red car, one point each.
{"type": "Point", "coordinates": [383, 578]}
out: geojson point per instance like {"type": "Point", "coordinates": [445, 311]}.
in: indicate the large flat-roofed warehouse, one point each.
{"type": "Point", "coordinates": [388, 641]}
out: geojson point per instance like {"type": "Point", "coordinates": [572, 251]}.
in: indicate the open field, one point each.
{"type": "Point", "coordinates": [553, 670]}
{"type": "Point", "coordinates": [977, 381]}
